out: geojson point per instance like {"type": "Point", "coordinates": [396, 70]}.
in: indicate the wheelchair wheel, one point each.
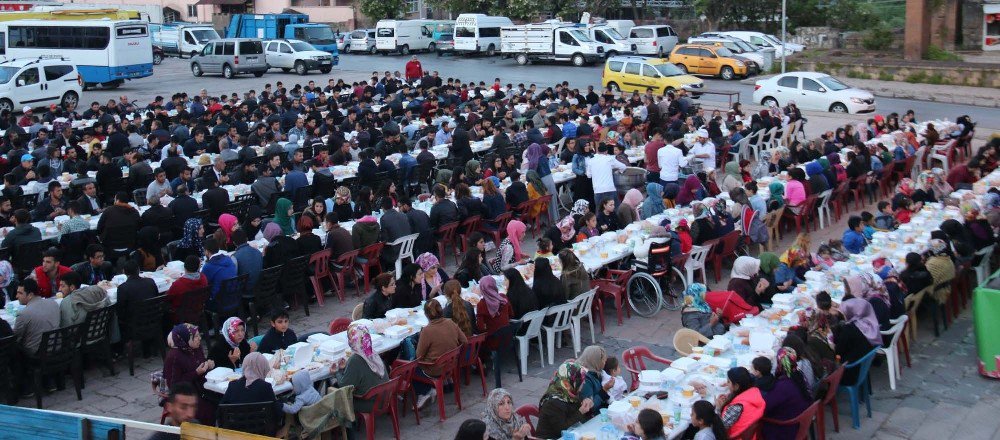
{"type": "Point", "coordinates": [644, 294]}
{"type": "Point", "coordinates": [674, 286]}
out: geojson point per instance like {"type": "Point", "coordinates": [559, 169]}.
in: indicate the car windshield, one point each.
{"type": "Point", "coordinates": [205, 35]}
{"type": "Point", "coordinates": [667, 69]}
{"type": "Point", "coordinates": [744, 45]}
{"type": "Point", "coordinates": [723, 52]}
{"type": "Point", "coordinates": [733, 47]}
{"type": "Point", "coordinates": [315, 34]}
{"type": "Point", "coordinates": [446, 37]}
{"type": "Point", "coordinates": [613, 33]}
{"type": "Point", "coordinates": [772, 39]}
{"type": "Point", "coordinates": [6, 73]}
{"type": "Point", "coordinates": [300, 46]}
{"type": "Point", "coordinates": [581, 36]}
{"type": "Point", "coordinates": [832, 83]}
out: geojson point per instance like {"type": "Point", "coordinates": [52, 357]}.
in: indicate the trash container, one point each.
{"type": "Point", "coordinates": [985, 314]}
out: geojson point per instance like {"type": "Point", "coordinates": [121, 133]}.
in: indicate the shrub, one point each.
{"type": "Point", "coordinates": [935, 53]}
{"type": "Point", "coordinates": [877, 39]}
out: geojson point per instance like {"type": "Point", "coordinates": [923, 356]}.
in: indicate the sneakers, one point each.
{"type": "Point", "coordinates": [422, 400]}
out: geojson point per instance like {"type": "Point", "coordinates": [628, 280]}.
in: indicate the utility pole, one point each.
{"type": "Point", "coordinates": [784, 19]}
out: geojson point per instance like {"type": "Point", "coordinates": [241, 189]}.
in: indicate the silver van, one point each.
{"type": "Point", "coordinates": [230, 57]}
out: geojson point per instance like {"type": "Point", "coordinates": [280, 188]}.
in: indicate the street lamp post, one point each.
{"type": "Point", "coordinates": [784, 19]}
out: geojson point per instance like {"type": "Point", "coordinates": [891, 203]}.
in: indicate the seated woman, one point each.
{"type": "Point", "coordinates": [856, 336]}
{"type": "Point", "coordinates": [364, 369]}
{"type": "Point", "coordinates": [432, 277]}
{"type": "Point", "coordinates": [746, 280]}
{"type": "Point", "coordinates": [561, 406]}
{"type": "Point", "coordinates": [510, 247]}
{"type": "Point", "coordinates": [252, 388]}
{"type": "Point", "coordinates": [464, 316]}
{"type": "Point", "coordinates": [408, 288]}
{"type": "Point", "coordinates": [628, 211]}
{"type": "Point", "coordinates": [653, 205]}
{"type": "Point", "coordinates": [380, 300]}
{"type": "Point", "coordinates": [698, 315]}
{"type": "Point", "coordinates": [592, 360]}
{"type": "Point", "coordinates": [308, 242]}
{"type": "Point", "coordinates": [191, 241]}
{"type": "Point", "coordinates": [607, 218]}
{"type": "Point", "coordinates": [493, 312]}
{"type": "Point", "coordinates": [493, 199]}
{"type": "Point", "coordinates": [574, 277]}
{"type": "Point", "coordinates": [915, 276]}
{"type": "Point", "coordinates": [231, 346]}
{"type": "Point", "coordinates": [185, 362]}
{"type": "Point", "coordinates": [440, 336]}
{"type": "Point", "coordinates": [563, 234]}
{"type": "Point", "coordinates": [588, 227]}
{"type": "Point", "coordinates": [743, 406]}
{"type": "Point", "coordinates": [522, 299]}
{"type": "Point", "coordinates": [789, 397]}
{"type": "Point", "coordinates": [702, 229]}
{"type": "Point", "coordinates": [871, 288]}
{"type": "Point", "coordinates": [546, 286]}
{"type": "Point", "coordinates": [502, 422]}
{"type": "Point", "coordinates": [472, 268]}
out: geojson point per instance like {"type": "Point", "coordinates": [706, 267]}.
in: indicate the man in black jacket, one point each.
{"type": "Point", "coordinates": [214, 199]}
{"type": "Point", "coordinates": [460, 148]}
{"type": "Point", "coordinates": [183, 207]}
{"type": "Point", "coordinates": [90, 204]}
{"type": "Point", "coordinates": [109, 177]}
{"type": "Point", "coordinates": [134, 290]}
{"type": "Point", "coordinates": [95, 269]}
{"type": "Point", "coordinates": [420, 223]}
{"type": "Point", "coordinates": [444, 210]}
{"type": "Point", "coordinates": [394, 225]}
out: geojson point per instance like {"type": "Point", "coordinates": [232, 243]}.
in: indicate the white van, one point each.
{"type": "Point", "coordinates": [38, 82]}
{"type": "Point", "coordinates": [657, 39]}
{"type": "Point", "coordinates": [614, 43]}
{"type": "Point", "coordinates": [761, 40]}
{"type": "Point", "coordinates": [182, 39]}
{"type": "Point", "coordinates": [362, 40]}
{"type": "Point", "coordinates": [476, 33]}
{"type": "Point", "coordinates": [549, 41]}
{"type": "Point", "coordinates": [403, 36]}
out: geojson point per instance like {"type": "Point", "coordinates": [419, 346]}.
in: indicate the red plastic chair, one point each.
{"type": "Point", "coordinates": [615, 288]}
{"type": "Point", "coordinates": [445, 236]}
{"type": "Point", "coordinates": [465, 229]}
{"type": "Point", "coordinates": [346, 264]}
{"type": "Point", "coordinates": [383, 398]}
{"type": "Point", "coordinates": [470, 358]}
{"type": "Point", "coordinates": [339, 325]}
{"type": "Point", "coordinates": [833, 382]}
{"type": "Point", "coordinates": [727, 248]}
{"type": "Point", "coordinates": [907, 167]}
{"type": "Point", "coordinates": [885, 183]}
{"type": "Point", "coordinates": [804, 421]}
{"type": "Point", "coordinates": [635, 361]}
{"type": "Point", "coordinates": [838, 199]}
{"type": "Point", "coordinates": [803, 217]}
{"type": "Point", "coordinates": [501, 223]}
{"type": "Point", "coordinates": [860, 188]}
{"type": "Point", "coordinates": [372, 253]}
{"type": "Point", "coordinates": [448, 364]}
{"type": "Point", "coordinates": [526, 213]}
{"type": "Point", "coordinates": [528, 411]}
{"type": "Point", "coordinates": [320, 263]}
{"type": "Point", "coordinates": [403, 370]}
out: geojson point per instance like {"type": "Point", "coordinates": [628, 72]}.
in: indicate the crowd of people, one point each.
{"type": "Point", "coordinates": [160, 177]}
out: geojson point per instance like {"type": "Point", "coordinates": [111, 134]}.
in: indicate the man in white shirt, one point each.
{"type": "Point", "coordinates": [671, 159]}
{"type": "Point", "coordinates": [600, 169]}
{"type": "Point", "coordinates": [703, 151]}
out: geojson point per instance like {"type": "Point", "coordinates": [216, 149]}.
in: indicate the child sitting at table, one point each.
{"type": "Point", "coordinates": [867, 225]}
{"type": "Point", "coordinates": [885, 220]}
{"type": "Point", "coordinates": [837, 250]}
{"type": "Point", "coordinates": [305, 394]}
{"type": "Point", "coordinates": [279, 336]}
{"type": "Point", "coordinates": [684, 235]}
{"type": "Point", "coordinates": [825, 305]}
{"type": "Point", "coordinates": [823, 260]}
{"type": "Point", "coordinates": [903, 211]}
{"type": "Point", "coordinates": [613, 372]}
{"type": "Point", "coordinates": [544, 248]}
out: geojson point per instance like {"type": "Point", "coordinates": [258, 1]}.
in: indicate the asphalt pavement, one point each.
{"type": "Point", "coordinates": [174, 75]}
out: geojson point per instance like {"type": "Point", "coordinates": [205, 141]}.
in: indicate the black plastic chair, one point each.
{"type": "Point", "coordinates": [273, 201]}
{"type": "Point", "coordinates": [254, 418]}
{"type": "Point", "coordinates": [8, 369]}
{"type": "Point", "coordinates": [97, 336]}
{"type": "Point", "coordinates": [302, 197]}
{"type": "Point", "coordinates": [265, 296]}
{"type": "Point", "coordinates": [228, 301]}
{"type": "Point", "coordinates": [29, 255]}
{"type": "Point", "coordinates": [145, 323]}
{"type": "Point", "coordinates": [505, 347]}
{"type": "Point", "coordinates": [58, 352]}
{"type": "Point", "coordinates": [294, 281]}
{"type": "Point", "coordinates": [29, 201]}
{"type": "Point", "coordinates": [73, 246]}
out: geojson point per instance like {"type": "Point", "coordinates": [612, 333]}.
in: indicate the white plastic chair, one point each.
{"type": "Point", "coordinates": [983, 269]}
{"type": "Point", "coordinates": [823, 208]}
{"type": "Point", "coordinates": [405, 244]}
{"type": "Point", "coordinates": [695, 262]}
{"type": "Point", "coordinates": [534, 330]}
{"type": "Point", "coordinates": [755, 144]}
{"type": "Point", "coordinates": [940, 152]}
{"type": "Point", "coordinates": [562, 321]}
{"type": "Point", "coordinates": [558, 146]}
{"type": "Point", "coordinates": [892, 351]}
{"type": "Point", "coordinates": [918, 166]}
{"type": "Point", "coordinates": [742, 149]}
{"type": "Point", "coordinates": [771, 141]}
{"type": "Point", "coordinates": [584, 309]}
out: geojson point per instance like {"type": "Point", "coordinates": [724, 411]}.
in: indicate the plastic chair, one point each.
{"type": "Point", "coordinates": [320, 263]}
{"type": "Point", "coordinates": [635, 361]}
{"type": "Point", "coordinates": [265, 297]}
{"type": "Point", "coordinates": [832, 382]}
{"type": "Point", "coordinates": [356, 312]}
{"type": "Point", "coordinates": [466, 228]}
{"type": "Point", "coordinates": [383, 399]}
{"type": "Point", "coordinates": [500, 222]}
{"type": "Point", "coordinates": [405, 244]}
{"type": "Point", "coordinates": [97, 335]}
{"type": "Point", "coordinates": [860, 390]}
{"type": "Point", "coordinates": [686, 339]}
{"type": "Point", "coordinates": [614, 287]}
{"type": "Point", "coordinates": [346, 264]}
{"type": "Point", "coordinates": [448, 365]}
{"type": "Point", "coordinates": [728, 245]}
{"type": "Point", "coordinates": [293, 277]}
{"type": "Point", "coordinates": [695, 262]}
{"type": "Point", "coordinates": [892, 351]}
{"type": "Point", "coordinates": [445, 236]}
{"type": "Point", "coordinates": [504, 338]}
{"type": "Point", "coordinates": [57, 353]}
{"type": "Point", "coordinates": [823, 208]}
{"type": "Point", "coordinates": [528, 411]}
{"type": "Point", "coordinates": [859, 190]}
{"type": "Point", "coordinates": [403, 370]}
{"type": "Point", "coordinates": [470, 358]}
{"type": "Point", "coordinates": [562, 316]}
{"type": "Point", "coordinates": [772, 221]}
{"type": "Point", "coordinates": [532, 323]}
{"type": "Point", "coordinates": [253, 418]}
{"type": "Point", "coordinates": [584, 309]}
{"type": "Point", "coordinates": [339, 325]}
{"type": "Point", "coordinates": [144, 323]}
{"type": "Point", "coordinates": [372, 254]}
{"type": "Point", "coordinates": [804, 420]}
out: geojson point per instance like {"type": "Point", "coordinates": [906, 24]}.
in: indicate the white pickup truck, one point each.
{"type": "Point", "coordinates": [549, 41]}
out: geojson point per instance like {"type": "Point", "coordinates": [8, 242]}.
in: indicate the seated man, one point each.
{"type": "Point", "coordinates": [95, 269]}
{"type": "Point", "coordinates": [49, 273]}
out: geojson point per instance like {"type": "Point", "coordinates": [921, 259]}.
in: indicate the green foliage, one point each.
{"type": "Point", "coordinates": [851, 15]}
{"type": "Point", "coordinates": [857, 74]}
{"type": "Point", "coordinates": [877, 39]}
{"type": "Point", "coordinates": [380, 9]}
{"type": "Point", "coordinates": [916, 77]}
{"type": "Point", "coordinates": [935, 53]}
{"type": "Point", "coordinates": [885, 76]}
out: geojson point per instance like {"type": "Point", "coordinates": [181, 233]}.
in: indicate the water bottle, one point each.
{"type": "Point", "coordinates": [732, 363]}
{"type": "Point", "coordinates": [677, 412]}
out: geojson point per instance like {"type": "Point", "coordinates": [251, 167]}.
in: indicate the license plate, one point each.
{"type": "Point", "coordinates": [251, 58]}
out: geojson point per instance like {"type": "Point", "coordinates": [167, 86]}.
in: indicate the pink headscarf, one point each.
{"type": "Point", "coordinates": [360, 341]}
{"type": "Point", "coordinates": [226, 223]}
{"type": "Point", "coordinates": [566, 228]}
{"type": "Point", "coordinates": [492, 296]}
{"type": "Point", "coordinates": [633, 198]}
{"type": "Point", "coordinates": [515, 231]}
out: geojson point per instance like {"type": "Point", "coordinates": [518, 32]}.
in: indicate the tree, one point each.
{"type": "Point", "coordinates": [713, 10]}
{"type": "Point", "coordinates": [462, 6]}
{"type": "Point", "coordinates": [381, 9]}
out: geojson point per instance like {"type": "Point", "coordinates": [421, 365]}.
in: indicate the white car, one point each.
{"type": "Point", "coordinates": [757, 39]}
{"type": "Point", "coordinates": [298, 55]}
{"type": "Point", "coordinates": [38, 82]}
{"type": "Point", "coordinates": [813, 91]}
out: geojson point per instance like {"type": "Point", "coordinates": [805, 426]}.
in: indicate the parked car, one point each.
{"type": "Point", "coordinates": [445, 44]}
{"type": "Point", "coordinates": [363, 40]}
{"type": "Point", "coordinates": [709, 59]}
{"type": "Point", "coordinates": [813, 91]}
{"type": "Point", "coordinates": [157, 54]}
{"type": "Point", "coordinates": [738, 47]}
{"type": "Point", "coordinates": [38, 82]}
{"type": "Point", "coordinates": [656, 40]}
{"type": "Point", "coordinates": [343, 41]}
{"type": "Point", "coordinates": [297, 54]}
{"type": "Point", "coordinates": [636, 74]}
{"type": "Point", "coordinates": [757, 39]}
{"type": "Point", "coordinates": [230, 57]}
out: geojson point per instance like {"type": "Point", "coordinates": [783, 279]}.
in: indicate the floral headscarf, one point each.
{"type": "Point", "coordinates": [566, 383]}
{"type": "Point", "coordinates": [191, 239]}
{"type": "Point", "coordinates": [428, 263]}
{"type": "Point", "coordinates": [566, 228]}
{"type": "Point", "coordinates": [255, 367]}
{"type": "Point", "coordinates": [181, 335]}
{"type": "Point", "coordinates": [492, 296]}
{"type": "Point", "coordinates": [581, 207]}
{"type": "Point", "coordinates": [496, 427]}
{"type": "Point", "coordinates": [694, 297]}
{"type": "Point", "coordinates": [6, 272]}
{"type": "Point", "coordinates": [229, 329]}
{"type": "Point", "coordinates": [762, 168]}
{"type": "Point", "coordinates": [360, 340]}
{"type": "Point", "coordinates": [787, 362]}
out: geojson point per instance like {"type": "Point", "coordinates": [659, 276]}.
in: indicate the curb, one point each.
{"type": "Point", "coordinates": [908, 93]}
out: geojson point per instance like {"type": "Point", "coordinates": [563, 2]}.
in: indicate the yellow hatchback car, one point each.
{"type": "Point", "coordinates": [637, 74]}
{"type": "Point", "coordinates": [706, 59]}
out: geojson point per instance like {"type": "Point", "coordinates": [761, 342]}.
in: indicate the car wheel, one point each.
{"type": "Point", "coordinates": [227, 71]}
{"type": "Point", "coordinates": [405, 50]}
{"type": "Point", "coordinates": [683, 68]}
{"type": "Point", "coordinates": [157, 59]}
{"type": "Point", "coordinates": [372, 50]}
{"type": "Point", "coordinates": [668, 90]}
{"type": "Point", "coordinates": [578, 60]}
{"type": "Point", "coordinates": [193, 53]}
{"type": "Point", "coordinates": [258, 74]}
{"type": "Point", "coordinates": [325, 69]}
{"type": "Point", "coordinates": [838, 108]}
{"type": "Point", "coordinates": [70, 98]}
{"type": "Point", "coordinates": [727, 73]}
{"type": "Point", "coordinates": [300, 68]}
{"type": "Point", "coordinates": [6, 105]}
{"type": "Point", "coordinates": [286, 69]}
{"type": "Point", "coordinates": [196, 69]}
{"type": "Point", "coordinates": [432, 47]}
{"type": "Point", "coordinates": [769, 102]}
{"type": "Point", "coordinates": [490, 51]}
{"type": "Point", "coordinates": [614, 87]}
{"type": "Point", "coordinates": [347, 50]}
{"type": "Point", "coordinates": [521, 59]}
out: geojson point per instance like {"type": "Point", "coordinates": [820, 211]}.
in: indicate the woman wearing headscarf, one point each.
{"type": "Point", "coordinates": [580, 208]}
{"type": "Point", "coordinates": [856, 336]}
{"type": "Point", "coordinates": [733, 177]}
{"type": "Point", "coordinates": [563, 234]}
{"type": "Point", "coordinates": [191, 241]}
{"type": "Point", "coordinates": [522, 299]}
{"type": "Point", "coordinates": [493, 312]}
{"type": "Point", "coordinates": [592, 360]}
{"type": "Point", "coordinates": [510, 248]}
{"type": "Point", "coordinates": [536, 189]}
{"type": "Point", "coordinates": [251, 224]}
{"type": "Point", "coordinates": [231, 346]}
{"type": "Point", "coordinates": [502, 422]}
{"type": "Point", "coordinates": [583, 185]}
{"type": "Point", "coordinates": [761, 168]}
{"type": "Point", "coordinates": [691, 191]}
{"type": "Point", "coordinates": [546, 286]}
{"type": "Point", "coordinates": [364, 369]}
{"type": "Point", "coordinates": [8, 282]}
{"type": "Point", "coordinates": [280, 248]}
{"type": "Point", "coordinates": [769, 264]}
{"type": "Point", "coordinates": [252, 387]}
{"type": "Point", "coordinates": [869, 287]}
{"type": "Point", "coordinates": [977, 228]}
{"type": "Point", "coordinates": [283, 216]}
{"type": "Point", "coordinates": [185, 362]}
{"type": "Point", "coordinates": [776, 199]}
{"type": "Point", "coordinates": [147, 254]}
{"type": "Point", "coordinates": [539, 162]}
{"type": "Point", "coordinates": [432, 278]}
{"type": "Point", "coordinates": [702, 229]}
{"type": "Point", "coordinates": [697, 315]}
{"type": "Point", "coordinates": [789, 397]}
{"type": "Point", "coordinates": [653, 205]}
{"type": "Point", "coordinates": [941, 267]}
{"type": "Point", "coordinates": [561, 406]}
{"type": "Point", "coordinates": [628, 211]}
{"type": "Point", "coordinates": [516, 194]}
{"type": "Point", "coordinates": [746, 280]}
{"type": "Point", "coordinates": [227, 224]}
{"type": "Point", "coordinates": [817, 180]}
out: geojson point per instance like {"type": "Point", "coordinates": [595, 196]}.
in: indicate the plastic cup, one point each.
{"type": "Point", "coordinates": [634, 401]}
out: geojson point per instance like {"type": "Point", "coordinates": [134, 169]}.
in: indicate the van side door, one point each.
{"type": "Point", "coordinates": [29, 88]}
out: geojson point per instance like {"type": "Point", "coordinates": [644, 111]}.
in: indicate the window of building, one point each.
{"type": "Point", "coordinates": [192, 10]}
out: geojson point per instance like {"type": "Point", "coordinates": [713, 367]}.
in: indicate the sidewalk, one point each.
{"type": "Point", "coordinates": [964, 95]}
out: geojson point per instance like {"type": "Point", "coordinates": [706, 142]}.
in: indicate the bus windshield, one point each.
{"type": "Point", "coordinates": [6, 73]}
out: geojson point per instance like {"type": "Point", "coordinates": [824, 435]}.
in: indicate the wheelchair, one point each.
{"type": "Point", "coordinates": [656, 283]}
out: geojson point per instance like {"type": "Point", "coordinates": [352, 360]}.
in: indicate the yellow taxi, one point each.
{"type": "Point", "coordinates": [638, 74]}
{"type": "Point", "coordinates": [707, 59]}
